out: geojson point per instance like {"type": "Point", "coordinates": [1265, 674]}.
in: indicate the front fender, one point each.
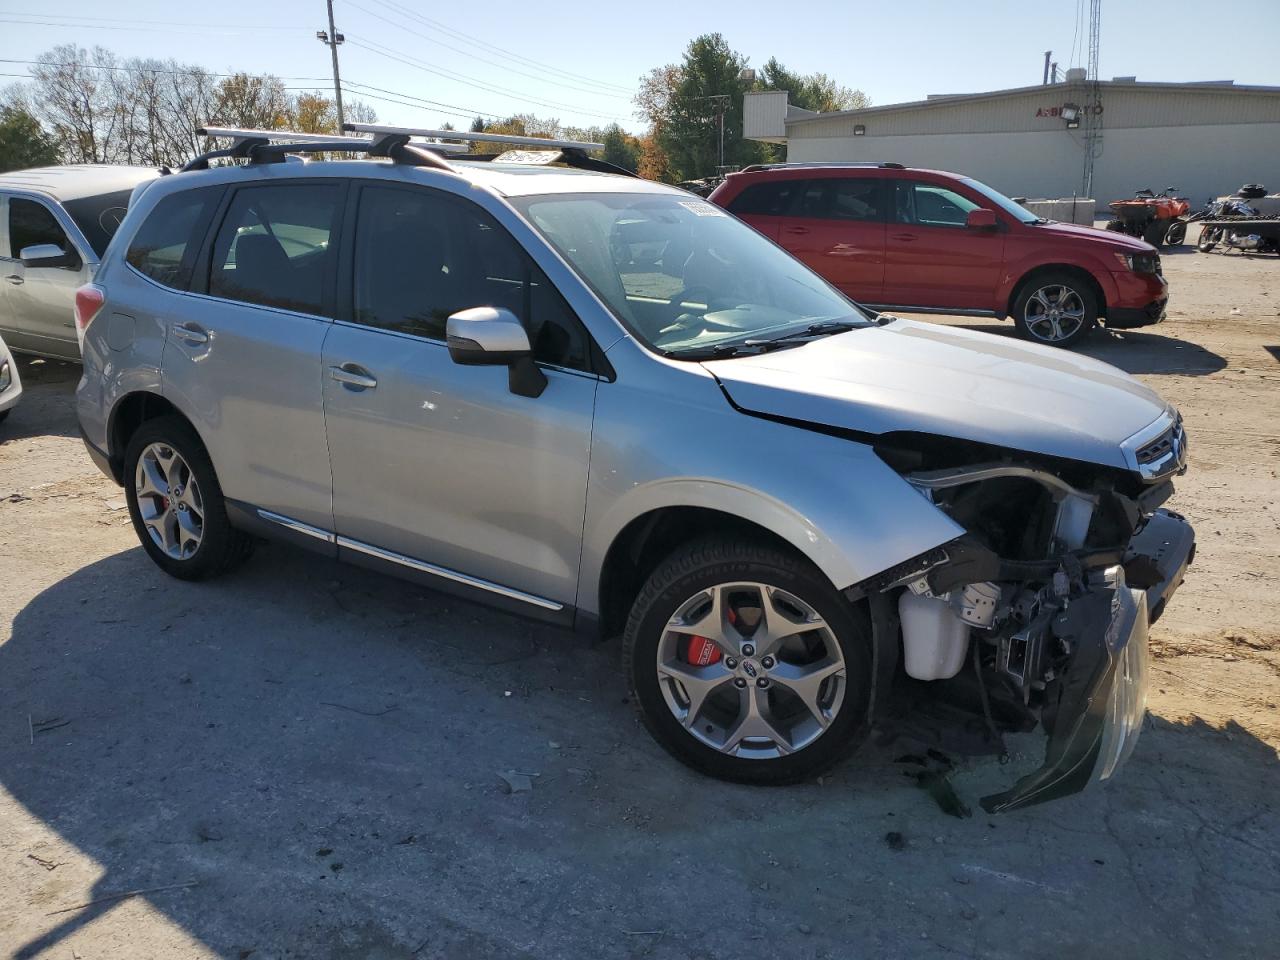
{"type": "Point", "coordinates": [1017, 271]}
{"type": "Point", "coordinates": [832, 499]}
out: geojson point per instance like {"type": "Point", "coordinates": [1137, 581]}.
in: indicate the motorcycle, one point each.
{"type": "Point", "coordinates": [1247, 220]}
{"type": "Point", "coordinates": [1158, 218]}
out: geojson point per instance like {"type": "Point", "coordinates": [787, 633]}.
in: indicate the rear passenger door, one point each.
{"type": "Point", "coordinates": [836, 226]}
{"type": "Point", "coordinates": [438, 467]}
{"type": "Point", "coordinates": [242, 351]}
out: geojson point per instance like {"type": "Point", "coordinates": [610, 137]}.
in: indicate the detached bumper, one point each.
{"type": "Point", "coordinates": [1094, 715]}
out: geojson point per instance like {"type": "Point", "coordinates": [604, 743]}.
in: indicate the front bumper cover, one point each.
{"type": "Point", "coordinates": [1094, 711]}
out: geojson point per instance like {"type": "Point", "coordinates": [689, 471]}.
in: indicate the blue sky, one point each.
{"type": "Point", "coordinates": [580, 62]}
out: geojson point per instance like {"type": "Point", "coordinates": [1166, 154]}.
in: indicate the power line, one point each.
{"type": "Point", "coordinates": [465, 111]}
{"type": "Point", "coordinates": [133, 21]}
{"type": "Point", "coordinates": [416, 106]}
{"type": "Point", "coordinates": [484, 44]}
{"type": "Point", "coordinates": [472, 81]}
{"type": "Point", "coordinates": [568, 85]}
{"type": "Point", "coordinates": [104, 66]}
{"type": "Point", "coordinates": [202, 30]}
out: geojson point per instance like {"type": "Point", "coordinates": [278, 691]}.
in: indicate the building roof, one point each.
{"type": "Point", "coordinates": [951, 99]}
{"type": "Point", "coordinates": [76, 181]}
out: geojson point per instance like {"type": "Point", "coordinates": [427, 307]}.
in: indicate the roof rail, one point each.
{"type": "Point", "coordinates": [272, 146]}
{"type": "Point", "coordinates": [572, 153]}
{"type": "Point", "coordinates": [807, 164]}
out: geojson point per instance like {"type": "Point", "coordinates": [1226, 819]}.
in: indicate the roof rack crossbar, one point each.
{"type": "Point", "coordinates": [272, 146]}
{"type": "Point", "coordinates": [466, 135]}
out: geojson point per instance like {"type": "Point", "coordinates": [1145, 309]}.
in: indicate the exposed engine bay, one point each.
{"type": "Point", "coordinates": [1047, 597]}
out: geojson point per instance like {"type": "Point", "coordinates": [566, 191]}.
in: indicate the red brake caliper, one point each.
{"type": "Point", "coordinates": [702, 651]}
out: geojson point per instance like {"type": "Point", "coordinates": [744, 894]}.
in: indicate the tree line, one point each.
{"type": "Point", "coordinates": [88, 106]}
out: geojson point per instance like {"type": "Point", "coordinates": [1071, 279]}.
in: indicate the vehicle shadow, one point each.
{"type": "Point", "coordinates": [320, 750]}
{"type": "Point", "coordinates": [1134, 351]}
{"type": "Point", "coordinates": [48, 404]}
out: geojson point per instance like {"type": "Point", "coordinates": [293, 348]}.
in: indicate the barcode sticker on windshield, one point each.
{"type": "Point", "coordinates": [702, 209]}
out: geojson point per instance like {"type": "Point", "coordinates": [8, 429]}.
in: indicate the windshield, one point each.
{"type": "Point", "coordinates": [1015, 210]}
{"type": "Point", "coordinates": [682, 274]}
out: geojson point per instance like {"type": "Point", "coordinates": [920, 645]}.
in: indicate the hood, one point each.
{"type": "Point", "coordinates": [921, 377]}
{"type": "Point", "coordinates": [1110, 239]}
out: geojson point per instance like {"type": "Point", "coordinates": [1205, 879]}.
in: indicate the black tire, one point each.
{"type": "Point", "coordinates": [1208, 239]}
{"type": "Point", "coordinates": [222, 547]}
{"type": "Point", "coordinates": [704, 564]}
{"type": "Point", "coordinates": [1056, 278]}
{"type": "Point", "coordinates": [1154, 233]}
{"type": "Point", "coordinates": [1176, 233]}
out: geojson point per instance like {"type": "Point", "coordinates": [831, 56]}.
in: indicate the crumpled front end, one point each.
{"type": "Point", "coordinates": [1045, 601]}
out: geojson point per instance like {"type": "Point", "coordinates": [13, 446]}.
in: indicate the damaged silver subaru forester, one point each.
{"type": "Point", "coordinates": [609, 404]}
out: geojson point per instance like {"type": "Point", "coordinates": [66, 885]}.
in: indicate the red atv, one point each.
{"type": "Point", "coordinates": [1158, 218]}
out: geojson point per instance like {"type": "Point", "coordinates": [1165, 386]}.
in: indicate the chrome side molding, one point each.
{"type": "Point", "coordinates": [421, 566]}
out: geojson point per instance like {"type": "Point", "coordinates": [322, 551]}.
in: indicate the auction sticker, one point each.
{"type": "Point", "coordinates": [701, 208]}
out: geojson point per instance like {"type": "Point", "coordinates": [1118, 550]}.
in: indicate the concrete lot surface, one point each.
{"type": "Point", "coordinates": [318, 750]}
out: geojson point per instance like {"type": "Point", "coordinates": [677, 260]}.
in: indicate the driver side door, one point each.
{"type": "Point", "coordinates": [440, 468]}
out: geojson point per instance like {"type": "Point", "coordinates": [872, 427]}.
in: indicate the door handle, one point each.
{"type": "Point", "coordinates": [798, 231]}
{"type": "Point", "coordinates": [14, 279]}
{"type": "Point", "coordinates": [905, 236]}
{"type": "Point", "coordinates": [354, 376]}
{"type": "Point", "coordinates": [190, 333]}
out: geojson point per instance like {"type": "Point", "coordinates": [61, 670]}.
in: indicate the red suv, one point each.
{"type": "Point", "coordinates": [894, 237]}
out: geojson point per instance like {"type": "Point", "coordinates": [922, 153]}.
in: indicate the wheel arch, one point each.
{"type": "Point", "coordinates": [128, 414]}
{"type": "Point", "coordinates": [642, 544]}
{"type": "Point", "coordinates": [1083, 273]}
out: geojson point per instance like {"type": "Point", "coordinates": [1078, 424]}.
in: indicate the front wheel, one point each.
{"type": "Point", "coordinates": [1176, 233]}
{"type": "Point", "coordinates": [1208, 239]}
{"type": "Point", "coordinates": [746, 664]}
{"type": "Point", "coordinates": [1056, 309]}
{"type": "Point", "coordinates": [176, 503]}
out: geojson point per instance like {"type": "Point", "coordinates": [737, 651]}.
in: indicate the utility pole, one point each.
{"type": "Point", "coordinates": [331, 38]}
{"type": "Point", "coordinates": [1093, 105]}
{"type": "Point", "coordinates": [721, 101]}
{"type": "Point", "coordinates": [1047, 55]}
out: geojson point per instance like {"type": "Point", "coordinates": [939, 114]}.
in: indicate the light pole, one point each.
{"type": "Point", "coordinates": [331, 38]}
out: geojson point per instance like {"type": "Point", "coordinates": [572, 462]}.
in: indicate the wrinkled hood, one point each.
{"type": "Point", "coordinates": [1104, 238]}
{"type": "Point", "coordinates": [921, 377]}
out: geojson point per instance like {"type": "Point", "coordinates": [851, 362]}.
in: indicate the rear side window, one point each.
{"type": "Point", "coordinates": [275, 247]}
{"type": "Point", "coordinates": [99, 216]}
{"type": "Point", "coordinates": [166, 245]}
{"type": "Point", "coordinates": [421, 256]}
{"type": "Point", "coordinates": [855, 199]}
{"type": "Point", "coordinates": [770, 198]}
{"type": "Point", "coordinates": [31, 223]}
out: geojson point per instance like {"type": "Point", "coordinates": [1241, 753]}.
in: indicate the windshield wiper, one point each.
{"type": "Point", "coordinates": [720, 352]}
{"type": "Point", "coordinates": [823, 328]}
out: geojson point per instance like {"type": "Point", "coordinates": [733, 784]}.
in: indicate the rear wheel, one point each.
{"type": "Point", "coordinates": [1055, 308]}
{"type": "Point", "coordinates": [1208, 239]}
{"type": "Point", "coordinates": [176, 504]}
{"type": "Point", "coordinates": [1154, 232]}
{"type": "Point", "coordinates": [746, 664]}
{"type": "Point", "coordinates": [1176, 233]}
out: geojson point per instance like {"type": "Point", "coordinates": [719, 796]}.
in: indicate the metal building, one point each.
{"type": "Point", "coordinates": [1206, 139]}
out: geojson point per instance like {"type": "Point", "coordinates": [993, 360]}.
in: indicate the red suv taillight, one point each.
{"type": "Point", "coordinates": [89, 300]}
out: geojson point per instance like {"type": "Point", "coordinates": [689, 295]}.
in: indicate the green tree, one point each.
{"type": "Point", "coordinates": [813, 91]}
{"type": "Point", "coordinates": [620, 148]}
{"type": "Point", "coordinates": [23, 142]}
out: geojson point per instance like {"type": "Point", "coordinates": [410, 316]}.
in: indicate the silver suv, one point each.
{"type": "Point", "coordinates": [55, 223]}
{"type": "Point", "coordinates": [608, 404]}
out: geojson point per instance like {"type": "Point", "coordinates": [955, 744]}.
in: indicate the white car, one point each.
{"type": "Point", "coordinates": [10, 382]}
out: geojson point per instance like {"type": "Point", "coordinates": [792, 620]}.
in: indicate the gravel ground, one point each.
{"type": "Point", "coordinates": [317, 750]}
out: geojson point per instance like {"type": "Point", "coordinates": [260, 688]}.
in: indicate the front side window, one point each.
{"type": "Point", "coordinates": [680, 273]}
{"type": "Point", "coordinates": [930, 205]}
{"type": "Point", "coordinates": [165, 246]}
{"type": "Point", "coordinates": [31, 223]}
{"type": "Point", "coordinates": [422, 256]}
{"type": "Point", "coordinates": [274, 248]}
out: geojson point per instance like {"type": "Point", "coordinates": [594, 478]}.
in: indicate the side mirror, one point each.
{"type": "Point", "coordinates": [981, 219]}
{"type": "Point", "coordinates": [494, 336]}
{"type": "Point", "coordinates": [49, 255]}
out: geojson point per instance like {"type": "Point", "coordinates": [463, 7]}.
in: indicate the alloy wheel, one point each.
{"type": "Point", "coordinates": [169, 501]}
{"type": "Point", "coordinates": [1054, 313]}
{"type": "Point", "coordinates": [751, 670]}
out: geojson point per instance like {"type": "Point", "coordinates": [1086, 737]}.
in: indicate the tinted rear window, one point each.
{"type": "Point", "coordinates": [166, 245]}
{"type": "Point", "coordinates": [772, 198]}
{"type": "Point", "coordinates": [98, 217]}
